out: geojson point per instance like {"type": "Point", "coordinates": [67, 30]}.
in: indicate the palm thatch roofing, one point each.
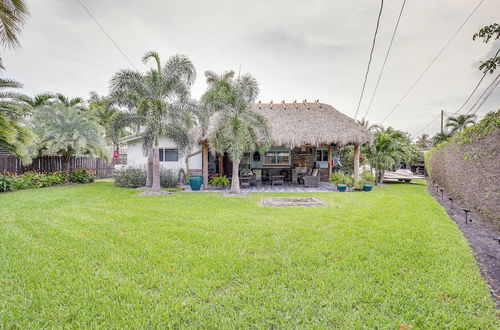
{"type": "Point", "coordinates": [313, 123]}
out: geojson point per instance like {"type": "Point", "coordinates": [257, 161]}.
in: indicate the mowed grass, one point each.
{"type": "Point", "coordinates": [99, 256]}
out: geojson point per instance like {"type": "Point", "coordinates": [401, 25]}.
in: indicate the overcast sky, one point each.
{"type": "Point", "coordinates": [296, 49]}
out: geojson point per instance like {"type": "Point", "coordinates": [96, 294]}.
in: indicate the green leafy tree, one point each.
{"type": "Point", "coordinates": [390, 146]}
{"type": "Point", "coordinates": [460, 122]}
{"type": "Point", "coordinates": [237, 128]}
{"type": "Point", "coordinates": [15, 136]}
{"type": "Point", "coordinates": [66, 131]}
{"type": "Point", "coordinates": [487, 33]}
{"type": "Point", "coordinates": [102, 109]}
{"type": "Point", "coordinates": [158, 104]}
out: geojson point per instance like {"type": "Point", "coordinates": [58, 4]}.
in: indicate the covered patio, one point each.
{"type": "Point", "coordinates": [306, 138]}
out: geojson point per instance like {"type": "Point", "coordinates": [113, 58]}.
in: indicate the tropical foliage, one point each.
{"type": "Point", "coordinates": [238, 129]}
{"type": "Point", "coordinates": [460, 122]}
{"type": "Point", "coordinates": [390, 147]}
{"type": "Point", "coordinates": [158, 104]}
{"type": "Point", "coordinates": [13, 14]}
{"type": "Point", "coordinates": [66, 131]}
{"type": "Point", "coordinates": [30, 180]}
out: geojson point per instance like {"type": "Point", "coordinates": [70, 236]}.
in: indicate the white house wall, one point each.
{"type": "Point", "coordinates": [136, 158]}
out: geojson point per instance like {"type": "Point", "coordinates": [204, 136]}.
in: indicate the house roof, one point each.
{"type": "Point", "coordinates": [313, 123]}
{"type": "Point", "coordinates": [297, 124]}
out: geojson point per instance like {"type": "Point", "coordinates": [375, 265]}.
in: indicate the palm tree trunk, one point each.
{"type": "Point", "coordinates": [149, 169]}
{"type": "Point", "coordinates": [66, 163]}
{"type": "Point", "coordinates": [156, 170]}
{"type": "Point", "coordinates": [235, 181]}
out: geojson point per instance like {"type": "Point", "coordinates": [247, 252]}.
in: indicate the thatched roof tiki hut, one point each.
{"type": "Point", "coordinates": [304, 135]}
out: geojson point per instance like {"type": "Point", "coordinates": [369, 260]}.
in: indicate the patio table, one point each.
{"type": "Point", "coordinates": [277, 179]}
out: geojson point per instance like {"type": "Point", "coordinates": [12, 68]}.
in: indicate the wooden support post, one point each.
{"type": "Point", "coordinates": [330, 168]}
{"type": "Point", "coordinates": [205, 165]}
{"type": "Point", "coordinates": [356, 162]}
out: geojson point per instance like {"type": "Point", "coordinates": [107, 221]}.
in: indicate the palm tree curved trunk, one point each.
{"type": "Point", "coordinates": [235, 182]}
{"type": "Point", "coordinates": [149, 169]}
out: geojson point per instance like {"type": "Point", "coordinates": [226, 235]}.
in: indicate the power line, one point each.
{"type": "Point", "coordinates": [432, 62]}
{"type": "Point", "coordinates": [475, 88]}
{"type": "Point", "coordinates": [385, 60]}
{"type": "Point", "coordinates": [488, 90]}
{"type": "Point", "coordinates": [370, 59]}
{"type": "Point", "coordinates": [106, 33]}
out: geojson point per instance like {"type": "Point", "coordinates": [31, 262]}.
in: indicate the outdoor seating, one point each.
{"type": "Point", "coordinates": [277, 179]}
{"type": "Point", "coordinates": [313, 179]}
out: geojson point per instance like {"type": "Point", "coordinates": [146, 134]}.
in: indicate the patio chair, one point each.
{"type": "Point", "coordinates": [303, 175]}
{"type": "Point", "coordinates": [313, 179]}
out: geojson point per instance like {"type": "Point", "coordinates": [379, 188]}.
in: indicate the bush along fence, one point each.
{"type": "Point", "coordinates": [50, 164]}
{"type": "Point", "coordinates": [467, 167]}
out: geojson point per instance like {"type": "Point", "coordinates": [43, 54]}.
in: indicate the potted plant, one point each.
{"type": "Point", "coordinates": [367, 179]}
{"type": "Point", "coordinates": [219, 181]}
{"type": "Point", "coordinates": [341, 180]}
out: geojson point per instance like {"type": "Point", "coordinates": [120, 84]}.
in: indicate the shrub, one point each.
{"type": "Point", "coordinates": [130, 177]}
{"type": "Point", "coordinates": [220, 181]}
{"type": "Point", "coordinates": [6, 183]}
{"type": "Point", "coordinates": [341, 178]}
{"type": "Point", "coordinates": [367, 177]}
{"type": "Point", "coordinates": [81, 175]}
{"type": "Point", "coordinates": [169, 178]}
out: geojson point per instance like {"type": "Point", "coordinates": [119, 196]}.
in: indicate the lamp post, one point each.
{"type": "Point", "coordinates": [451, 200]}
{"type": "Point", "coordinates": [466, 214]}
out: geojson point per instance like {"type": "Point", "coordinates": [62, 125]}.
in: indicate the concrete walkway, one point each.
{"type": "Point", "coordinates": [287, 187]}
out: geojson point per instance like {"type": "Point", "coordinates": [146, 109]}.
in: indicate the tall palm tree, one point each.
{"type": "Point", "coordinates": [390, 146]}
{"type": "Point", "coordinates": [13, 14]}
{"type": "Point", "coordinates": [238, 129]}
{"type": "Point", "coordinates": [14, 135]}
{"type": "Point", "coordinates": [372, 128]}
{"type": "Point", "coordinates": [460, 122]}
{"type": "Point", "coordinates": [66, 131]}
{"type": "Point", "coordinates": [102, 110]}
{"type": "Point", "coordinates": [424, 141]}
{"type": "Point", "coordinates": [158, 103]}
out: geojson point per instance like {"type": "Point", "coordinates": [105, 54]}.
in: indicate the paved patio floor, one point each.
{"type": "Point", "coordinates": [287, 187]}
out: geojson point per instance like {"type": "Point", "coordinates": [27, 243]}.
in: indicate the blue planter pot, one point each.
{"type": "Point", "coordinates": [341, 187]}
{"type": "Point", "coordinates": [367, 187]}
{"type": "Point", "coordinates": [195, 182]}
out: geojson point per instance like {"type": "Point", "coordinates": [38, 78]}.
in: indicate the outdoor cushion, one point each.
{"type": "Point", "coordinates": [315, 172]}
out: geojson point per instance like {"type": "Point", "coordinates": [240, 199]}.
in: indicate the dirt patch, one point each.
{"type": "Point", "coordinates": [482, 234]}
{"type": "Point", "coordinates": [293, 201]}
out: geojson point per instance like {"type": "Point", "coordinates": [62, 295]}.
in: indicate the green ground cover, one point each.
{"type": "Point", "coordinates": [96, 255]}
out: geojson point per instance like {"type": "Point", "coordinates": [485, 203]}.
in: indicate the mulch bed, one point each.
{"type": "Point", "coordinates": [481, 234]}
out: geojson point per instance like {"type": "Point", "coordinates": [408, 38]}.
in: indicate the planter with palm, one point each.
{"type": "Point", "coordinates": [156, 103]}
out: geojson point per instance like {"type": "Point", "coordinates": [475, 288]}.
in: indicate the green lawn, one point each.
{"type": "Point", "coordinates": [95, 255]}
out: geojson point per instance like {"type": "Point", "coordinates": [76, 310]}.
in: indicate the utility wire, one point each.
{"type": "Point", "coordinates": [489, 90]}
{"type": "Point", "coordinates": [385, 60]}
{"type": "Point", "coordinates": [496, 80]}
{"type": "Point", "coordinates": [370, 59]}
{"type": "Point", "coordinates": [106, 33]}
{"type": "Point", "coordinates": [432, 62]}
{"type": "Point", "coordinates": [475, 88]}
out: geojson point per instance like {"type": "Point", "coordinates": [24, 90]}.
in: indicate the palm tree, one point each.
{"type": "Point", "coordinates": [14, 135]}
{"type": "Point", "coordinates": [390, 146]}
{"type": "Point", "coordinates": [102, 110]}
{"type": "Point", "coordinates": [424, 141]}
{"type": "Point", "coordinates": [372, 128]}
{"type": "Point", "coordinates": [66, 131]}
{"type": "Point", "coordinates": [440, 138]}
{"type": "Point", "coordinates": [237, 128]}
{"type": "Point", "coordinates": [13, 14]}
{"type": "Point", "coordinates": [158, 103]}
{"type": "Point", "coordinates": [460, 122]}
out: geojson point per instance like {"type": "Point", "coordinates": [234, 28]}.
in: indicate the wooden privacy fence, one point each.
{"type": "Point", "coordinates": [103, 169]}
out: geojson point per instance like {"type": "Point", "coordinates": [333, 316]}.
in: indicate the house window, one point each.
{"type": "Point", "coordinates": [169, 155]}
{"type": "Point", "coordinates": [322, 155]}
{"type": "Point", "coordinates": [281, 157]}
